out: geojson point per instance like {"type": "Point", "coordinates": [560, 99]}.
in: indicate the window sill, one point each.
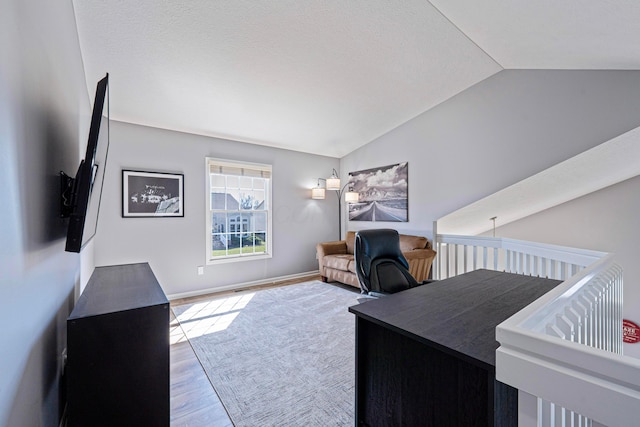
{"type": "Point", "coordinates": [238, 258]}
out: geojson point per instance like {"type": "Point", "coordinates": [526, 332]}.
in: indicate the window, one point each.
{"type": "Point", "coordinates": [238, 211]}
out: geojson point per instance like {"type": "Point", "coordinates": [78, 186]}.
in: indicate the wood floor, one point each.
{"type": "Point", "coordinates": [194, 402]}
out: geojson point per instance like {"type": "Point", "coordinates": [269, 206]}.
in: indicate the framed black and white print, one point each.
{"type": "Point", "coordinates": [382, 194]}
{"type": "Point", "coordinates": [152, 194]}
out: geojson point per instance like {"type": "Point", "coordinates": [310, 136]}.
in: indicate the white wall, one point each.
{"type": "Point", "coordinates": [175, 247]}
{"type": "Point", "coordinates": [498, 132]}
{"type": "Point", "coordinates": [44, 106]}
{"type": "Point", "coordinates": [605, 220]}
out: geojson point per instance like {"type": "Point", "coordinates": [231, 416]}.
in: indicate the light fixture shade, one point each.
{"type": "Point", "coordinates": [333, 183]}
{"type": "Point", "coordinates": [351, 196]}
{"type": "Point", "coordinates": [317, 193]}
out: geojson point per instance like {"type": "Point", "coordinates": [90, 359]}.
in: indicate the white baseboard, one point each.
{"type": "Point", "coordinates": [242, 285]}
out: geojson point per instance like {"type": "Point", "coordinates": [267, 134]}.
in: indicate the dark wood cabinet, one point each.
{"type": "Point", "coordinates": [117, 369]}
{"type": "Point", "coordinates": [426, 356]}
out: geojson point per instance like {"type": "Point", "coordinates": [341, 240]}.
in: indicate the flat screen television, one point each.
{"type": "Point", "coordinates": [81, 195]}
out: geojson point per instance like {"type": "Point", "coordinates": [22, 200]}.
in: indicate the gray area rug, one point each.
{"type": "Point", "coordinates": [279, 357]}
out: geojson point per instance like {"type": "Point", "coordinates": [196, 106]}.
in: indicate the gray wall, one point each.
{"type": "Point", "coordinates": [510, 126]}
{"type": "Point", "coordinates": [175, 247]}
{"type": "Point", "coordinates": [44, 106]}
{"type": "Point", "coordinates": [605, 220]}
{"type": "Point", "coordinates": [504, 129]}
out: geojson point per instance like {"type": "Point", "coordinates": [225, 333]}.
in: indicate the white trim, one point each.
{"type": "Point", "coordinates": [515, 256]}
{"type": "Point", "coordinates": [539, 312]}
{"type": "Point", "coordinates": [567, 384]}
{"type": "Point", "coordinates": [556, 252]}
{"type": "Point", "coordinates": [563, 352]}
{"type": "Point", "coordinates": [237, 258]}
{"type": "Point", "coordinates": [268, 197]}
{"type": "Point", "coordinates": [244, 285]}
{"type": "Point", "coordinates": [239, 163]}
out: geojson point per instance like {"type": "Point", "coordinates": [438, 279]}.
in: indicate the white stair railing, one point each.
{"type": "Point", "coordinates": [460, 254]}
{"type": "Point", "coordinates": [564, 351]}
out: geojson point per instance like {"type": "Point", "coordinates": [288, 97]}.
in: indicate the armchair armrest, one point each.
{"type": "Point", "coordinates": [420, 261]}
{"type": "Point", "coordinates": [329, 248]}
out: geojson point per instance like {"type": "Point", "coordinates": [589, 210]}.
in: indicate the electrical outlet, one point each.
{"type": "Point", "coordinates": [200, 270]}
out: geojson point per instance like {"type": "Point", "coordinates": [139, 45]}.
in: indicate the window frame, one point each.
{"type": "Point", "coordinates": [210, 260]}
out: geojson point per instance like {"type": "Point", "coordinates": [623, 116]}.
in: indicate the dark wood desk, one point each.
{"type": "Point", "coordinates": [426, 356]}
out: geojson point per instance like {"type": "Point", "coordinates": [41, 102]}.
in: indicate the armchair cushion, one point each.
{"type": "Point", "coordinates": [339, 262]}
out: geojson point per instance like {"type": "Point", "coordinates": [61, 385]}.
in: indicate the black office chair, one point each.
{"type": "Point", "coordinates": [380, 266]}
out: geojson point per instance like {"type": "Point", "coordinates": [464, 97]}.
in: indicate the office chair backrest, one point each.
{"type": "Point", "coordinates": [380, 265]}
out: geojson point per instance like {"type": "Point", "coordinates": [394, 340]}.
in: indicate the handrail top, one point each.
{"type": "Point", "coordinates": [568, 341]}
{"type": "Point", "coordinates": [613, 367]}
{"type": "Point", "coordinates": [586, 256]}
{"type": "Point", "coordinates": [539, 311]}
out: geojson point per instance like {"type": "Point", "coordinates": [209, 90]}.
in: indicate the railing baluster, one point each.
{"type": "Point", "coordinates": [589, 314]}
{"type": "Point", "coordinates": [574, 317]}
{"type": "Point", "coordinates": [438, 260]}
{"type": "Point", "coordinates": [465, 267]}
{"type": "Point", "coordinates": [583, 312]}
{"type": "Point", "coordinates": [448, 272]}
{"type": "Point", "coordinates": [475, 257]}
{"type": "Point", "coordinates": [455, 260]}
{"type": "Point", "coordinates": [484, 257]}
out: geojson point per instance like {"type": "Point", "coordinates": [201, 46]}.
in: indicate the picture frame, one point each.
{"type": "Point", "coordinates": [383, 194]}
{"type": "Point", "coordinates": [152, 194]}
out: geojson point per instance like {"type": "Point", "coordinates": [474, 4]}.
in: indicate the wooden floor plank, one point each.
{"type": "Point", "coordinates": [194, 402]}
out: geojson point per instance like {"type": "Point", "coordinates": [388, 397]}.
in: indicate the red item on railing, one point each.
{"type": "Point", "coordinates": [630, 332]}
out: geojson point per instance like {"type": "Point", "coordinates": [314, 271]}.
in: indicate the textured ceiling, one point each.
{"type": "Point", "coordinates": [566, 34]}
{"type": "Point", "coordinates": [328, 76]}
{"type": "Point", "coordinates": [316, 76]}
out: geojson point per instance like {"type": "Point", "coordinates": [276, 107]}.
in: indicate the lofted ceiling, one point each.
{"type": "Point", "coordinates": [328, 76]}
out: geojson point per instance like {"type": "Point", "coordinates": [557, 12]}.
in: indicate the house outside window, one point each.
{"type": "Point", "coordinates": [238, 210]}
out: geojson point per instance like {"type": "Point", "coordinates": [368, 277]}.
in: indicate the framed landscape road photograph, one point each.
{"type": "Point", "coordinates": [152, 194]}
{"type": "Point", "coordinates": [382, 194]}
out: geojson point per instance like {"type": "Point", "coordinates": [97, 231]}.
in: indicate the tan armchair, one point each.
{"type": "Point", "coordinates": [336, 260]}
